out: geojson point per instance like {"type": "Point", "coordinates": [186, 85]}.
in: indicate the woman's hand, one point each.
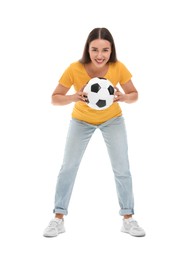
{"type": "Point", "coordinates": [130, 94]}
{"type": "Point", "coordinates": [60, 97]}
{"type": "Point", "coordinates": [119, 96]}
{"type": "Point", "coordinates": [80, 96]}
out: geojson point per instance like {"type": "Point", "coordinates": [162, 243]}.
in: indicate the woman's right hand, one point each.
{"type": "Point", "coordinates": [60, 97]}
{"type": "Point", "coordinates": [80, 96]}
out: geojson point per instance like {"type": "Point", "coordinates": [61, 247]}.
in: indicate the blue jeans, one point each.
{"type": "Point", "coordinates": [115, 137]}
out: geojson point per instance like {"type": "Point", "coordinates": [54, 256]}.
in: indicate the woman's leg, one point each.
{"type": "Point", "coordinates": [115, 136]}
{"type": "Point", "coordinates": [78, 137]}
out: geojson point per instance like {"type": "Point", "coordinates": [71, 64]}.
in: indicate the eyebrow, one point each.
{"type": "Point", "coordinates": [106, 48]}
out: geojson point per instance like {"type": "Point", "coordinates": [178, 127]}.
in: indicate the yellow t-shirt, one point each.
{"type": "Point", "coordinates": [76, 75]}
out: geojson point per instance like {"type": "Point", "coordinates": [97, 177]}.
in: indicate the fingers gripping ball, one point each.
{"type": "Point", "coordinates": [100, 93]}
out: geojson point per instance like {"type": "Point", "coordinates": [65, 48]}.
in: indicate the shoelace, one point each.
{"type": "Point", "coordinates": [134, 223]}
{"type": "Point", "coordinates": [53, 223]}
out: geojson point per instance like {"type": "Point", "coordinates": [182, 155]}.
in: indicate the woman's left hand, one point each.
{"type": "Point", "coordinates": [119, 96]}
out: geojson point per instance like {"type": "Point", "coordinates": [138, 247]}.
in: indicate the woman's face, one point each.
{"type": "Point", "coordinates": [100, 52]}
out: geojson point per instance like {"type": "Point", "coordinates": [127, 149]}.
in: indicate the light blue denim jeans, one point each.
{"type": "Point", "coordinates": [115, 137]}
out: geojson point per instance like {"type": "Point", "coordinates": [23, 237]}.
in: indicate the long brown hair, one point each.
{"type": "Point", "coordinates": [99, 33]}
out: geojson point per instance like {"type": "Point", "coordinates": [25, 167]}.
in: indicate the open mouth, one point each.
{"type": "Point", "coordinates": [99, 61]}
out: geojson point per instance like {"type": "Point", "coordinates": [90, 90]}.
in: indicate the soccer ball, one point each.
{"type": "Point", "coordinates": [100, 93]}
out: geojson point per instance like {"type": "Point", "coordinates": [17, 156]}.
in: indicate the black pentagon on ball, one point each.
{"type": "Point", "coordinates": [95, 88]}
{"type": "Point", "coordinates": [101, 103]}
{"type": "Point", "coordinates": [111, 90]}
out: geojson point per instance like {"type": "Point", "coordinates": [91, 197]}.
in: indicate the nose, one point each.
{"type": "Point", "coordinates": [99, 54]}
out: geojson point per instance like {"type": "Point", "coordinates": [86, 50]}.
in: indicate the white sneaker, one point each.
{"type": "Point", "coordinates": [55, 227]}
{"type": "Point", "coordinates": [131, 226]}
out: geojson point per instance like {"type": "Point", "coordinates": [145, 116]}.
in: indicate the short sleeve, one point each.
{"type": "Point", "coordinates": [125, 74]}
{"type": "Point", "coordinates": [67, 78]}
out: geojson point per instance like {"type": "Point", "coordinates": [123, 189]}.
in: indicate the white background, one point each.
{"type": "Point", "coordinates": [38, 40]}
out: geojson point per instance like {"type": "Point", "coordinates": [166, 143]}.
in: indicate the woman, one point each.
{"type": "Point", "coordinates": [98, 60]}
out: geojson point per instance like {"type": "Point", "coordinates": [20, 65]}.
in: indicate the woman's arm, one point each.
{"type": "Point", "coordinates": [60, 97]}
{"type": "Point", "coordinates": [130, 94]}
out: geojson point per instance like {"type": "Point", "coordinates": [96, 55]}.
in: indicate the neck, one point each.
{"type": "Point", "coordinates": [96, 72]}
